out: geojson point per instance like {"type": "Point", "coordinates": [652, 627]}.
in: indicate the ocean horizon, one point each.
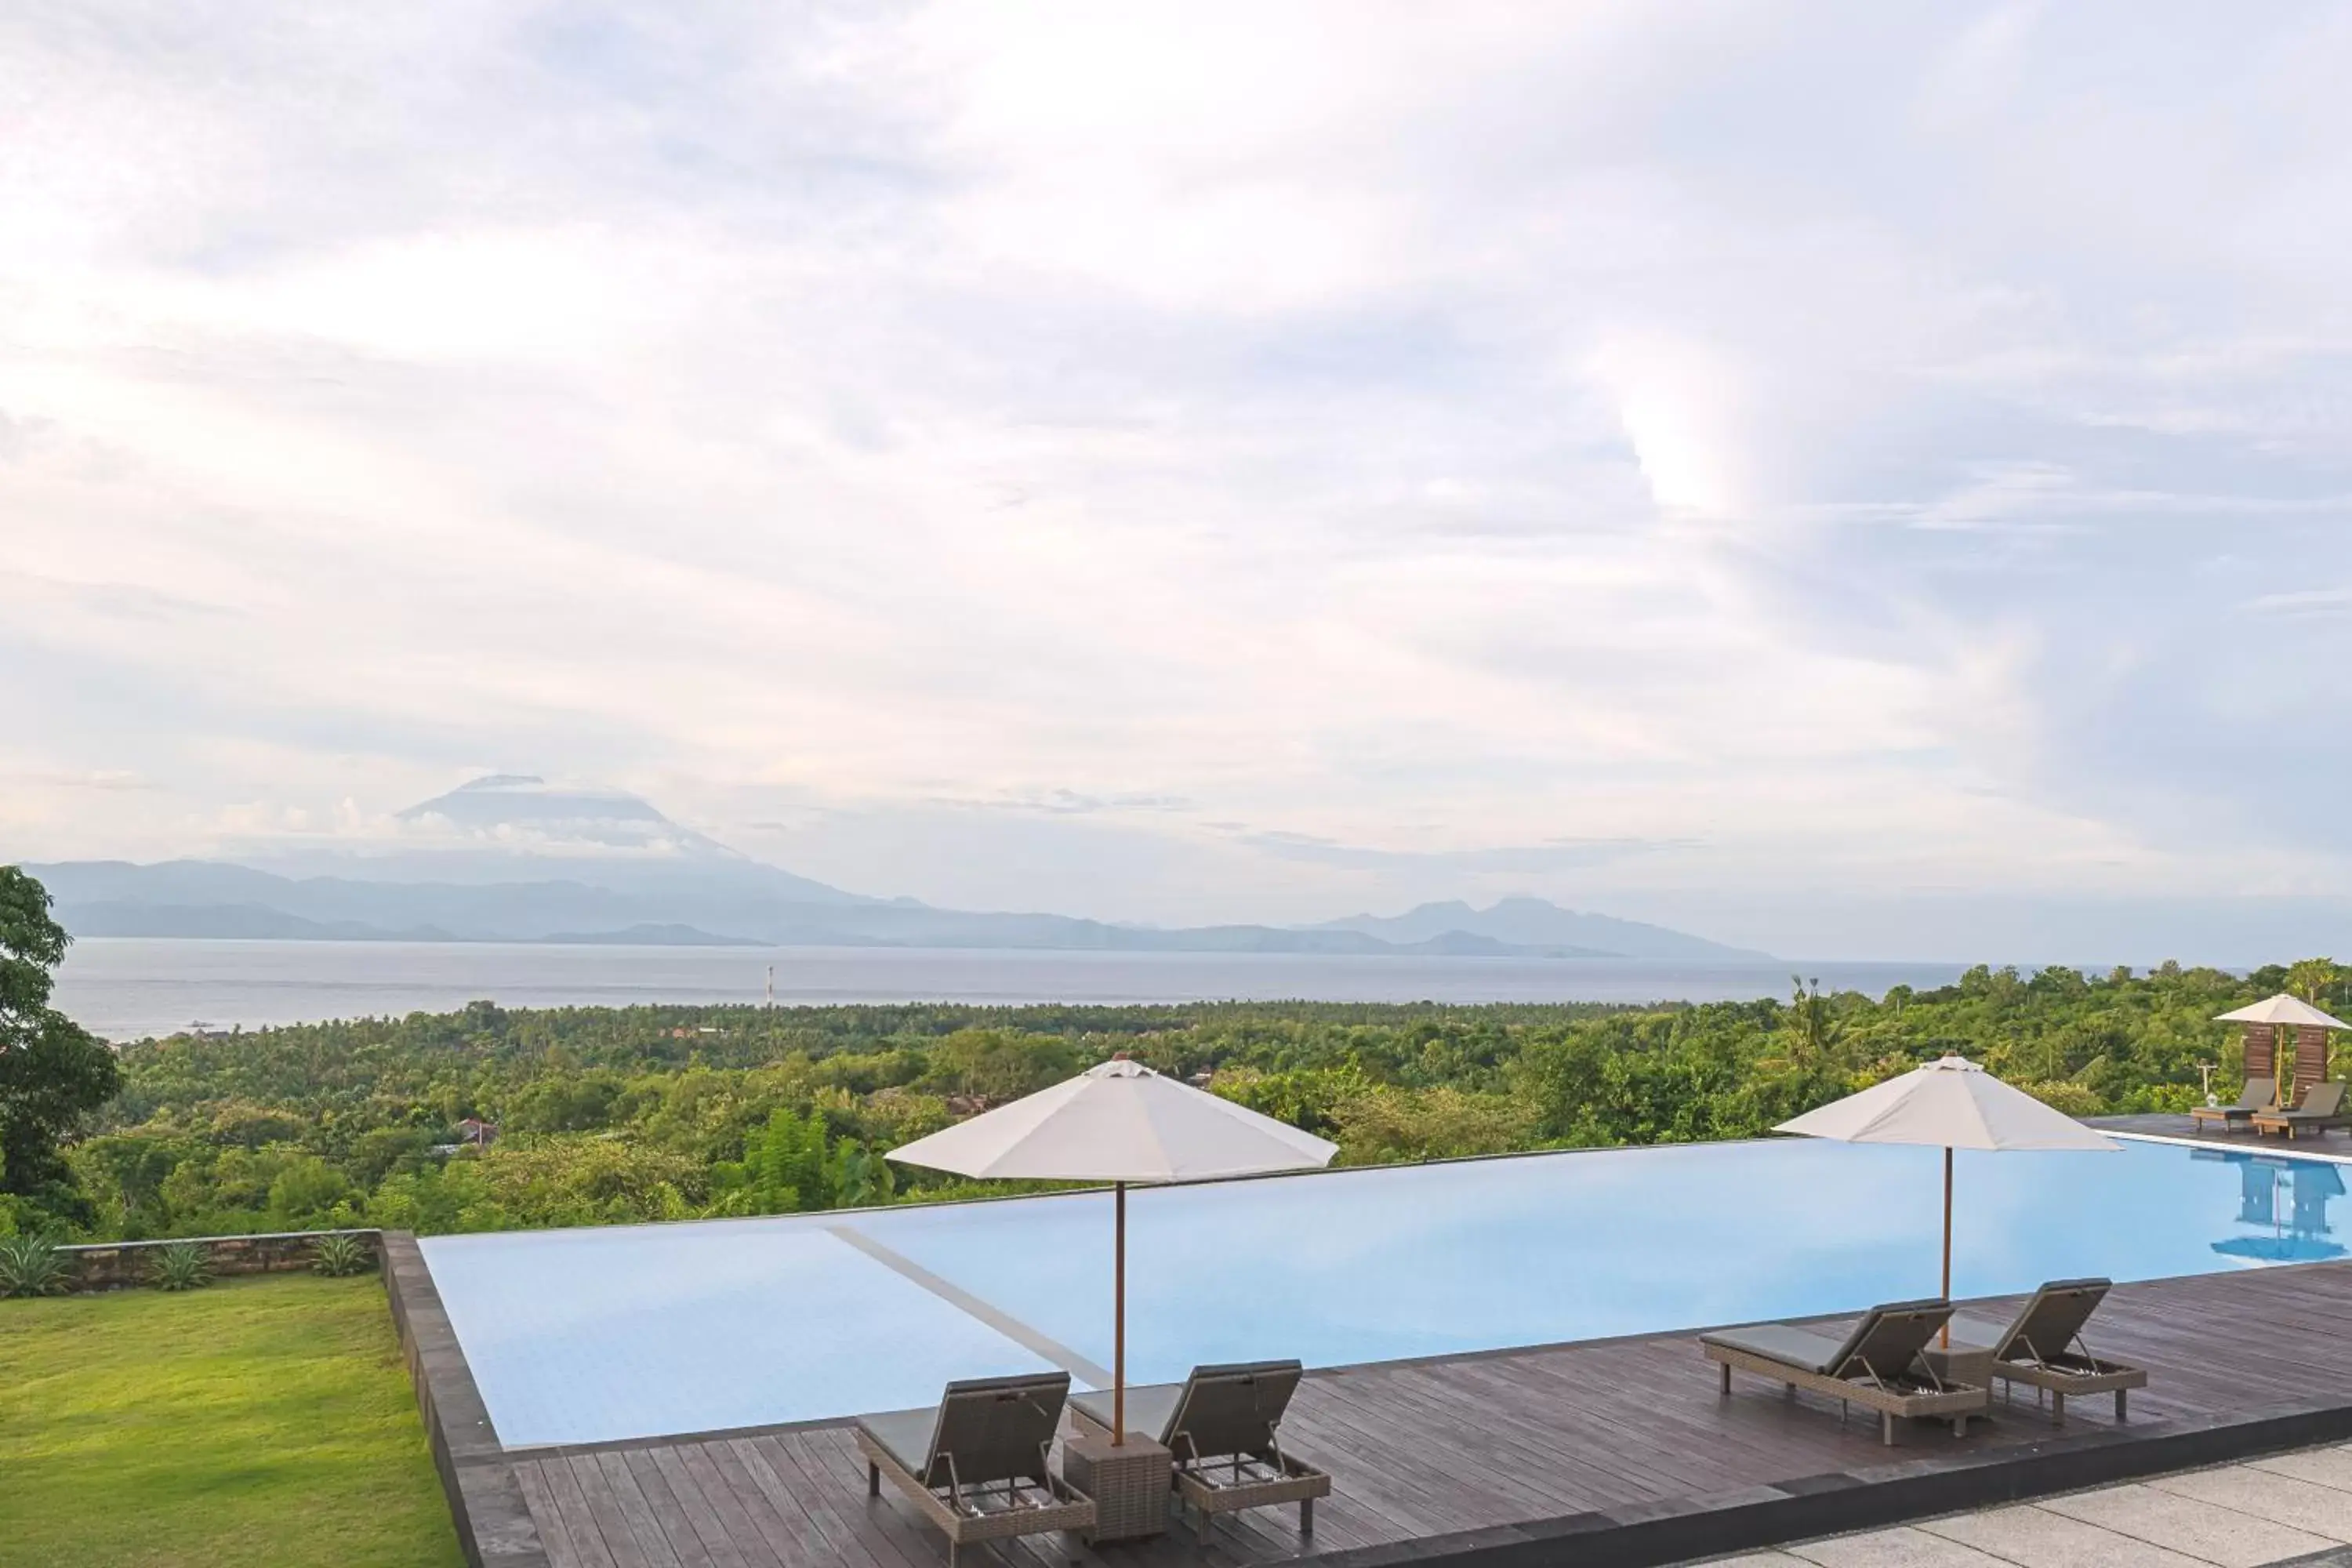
{"type": "Point", "coordinates": [126, 988]}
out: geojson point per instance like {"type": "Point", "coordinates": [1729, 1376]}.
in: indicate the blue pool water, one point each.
{"type": "Point", "coordinates": [591, 1335]}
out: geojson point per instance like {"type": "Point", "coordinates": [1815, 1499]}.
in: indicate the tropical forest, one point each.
{"type": "Point", "coordinates": [487, 1118]}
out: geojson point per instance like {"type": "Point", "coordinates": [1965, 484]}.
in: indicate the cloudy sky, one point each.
{"type": "Point", "coordinates": [1842, 478]}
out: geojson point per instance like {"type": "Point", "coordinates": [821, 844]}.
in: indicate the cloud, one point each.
{"type": "Point", "coordinates": [2302, 602]}
{"type": "Point", "coordinates": [1066, 803]}
{"type": "Point", "coordinates": [1563, 855]}
{"type": "Point", "coordinates": [1823, 442]}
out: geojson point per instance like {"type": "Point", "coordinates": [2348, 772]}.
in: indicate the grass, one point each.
{"type": "Point", "coordinates": [265, 1420]}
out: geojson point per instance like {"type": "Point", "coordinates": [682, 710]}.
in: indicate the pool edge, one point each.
{"type": "Point", "coordinates": [493, 1519]}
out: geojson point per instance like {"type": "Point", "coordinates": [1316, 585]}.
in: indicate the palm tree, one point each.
{"type": "Point", "coordinates": [1810, 1016]}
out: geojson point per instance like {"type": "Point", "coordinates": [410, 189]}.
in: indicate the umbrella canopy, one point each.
{"type": "Point", "coordinates": [2284, 1009]}
{"type": "Point", "coordinates": [1950, 1104]}
{"type": "Point", "coordinates": [1120, 1121]}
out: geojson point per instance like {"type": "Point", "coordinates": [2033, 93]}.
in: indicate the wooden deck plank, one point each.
{"type": "Point", "coordinates": [804, 1512]}
{"type": "Point", "coordinates": [627, 1500]}
{"type": "Point", "coordinates": [670, 1514]}
{"type": "Point", "coordinates": [610, 1522]}
{"type": "Point", "coordinates": [565, 1528]}
{"type": "Point", "coordinates": [554, 1534]}
{"type": "Point", "coordinates": [825, 1469]}
{"type": "Point", "coordinates": [753, 1545]}
{"type": "Point", "coordinates": [701, 1514]}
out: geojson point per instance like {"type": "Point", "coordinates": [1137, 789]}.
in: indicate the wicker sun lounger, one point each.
{"type": "Point", "coordinates": [2321, 1107]}
{"type": "Point", "coordinates": [2260, 1095]}
{"type": "Point", "coordinates": [976, 1466]}
{"type": "Point", "coordinates": [2042, 1346]}
{"type": "Point", "coordinates": [1876, 1365]}
{"type": "Point", "coordinates": [1220, 1426]}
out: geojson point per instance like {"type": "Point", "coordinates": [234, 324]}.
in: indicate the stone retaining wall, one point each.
{"type": "Point", "coordinates": [118, 1264]}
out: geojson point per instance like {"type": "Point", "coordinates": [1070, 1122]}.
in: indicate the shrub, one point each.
{"type": "Point", "coordinates": [2063, 1094]}
{"type": "Point", "coordinates": [339, 1257]}
{"type": "Point", "coordinates": [182, 1265]}
{"type": "Point", "coordinates": [33, 1265]}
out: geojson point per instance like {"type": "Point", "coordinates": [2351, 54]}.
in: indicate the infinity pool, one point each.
{"type": "Point", "coordinates": [590, 1335]}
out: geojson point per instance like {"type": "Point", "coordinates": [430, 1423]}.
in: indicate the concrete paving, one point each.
{"type": "Point", "coordinates": [2292, 1508]}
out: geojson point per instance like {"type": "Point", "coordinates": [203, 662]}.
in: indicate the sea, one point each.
{"type": "Point", "coordinates": [129, 988]}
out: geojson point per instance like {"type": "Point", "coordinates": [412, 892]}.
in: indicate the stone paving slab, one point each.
{"type": "Point", "coordinates": [2262, 1494]}
{"type": "Point", "coordinates": [1902, 1547]}
{"type": "Point", "coordinates": [2285, 1510]}
{"type": "Point", "coordinates": [2191, 1528]}
{"type": "Point", "coordinates": [2038, 1538]}
{"type": "Point", "coordinates": [2325, 1466]}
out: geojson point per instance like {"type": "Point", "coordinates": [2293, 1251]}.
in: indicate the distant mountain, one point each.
{"type": "Point", "coordinates": [512, 858]}
{"type": "Point", "coordinates": [652, 936]}
{"type": "Point", "coordinates": [508, 828]}
{"type": "Point", "coordinates": [1532, 924]}
{"type": "Point", "coordinates": [249, 922]}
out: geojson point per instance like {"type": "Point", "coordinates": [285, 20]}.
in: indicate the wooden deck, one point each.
{"type": "Point", "coordinates": [1615, 1451]}
{"type": "Point", "coordinates": [2186, 1130]}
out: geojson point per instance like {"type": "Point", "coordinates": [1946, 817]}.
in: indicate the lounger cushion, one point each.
{"type": "Point", "coordinates": [904, 1434]}
{"type": "Point", "coordinates": [1778, 1342]}
{"type": "Point", "coordinates": [1148, 1409]}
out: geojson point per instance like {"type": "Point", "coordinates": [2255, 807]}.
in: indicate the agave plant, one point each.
{"type": "Point", "coordinates": [33, 1265]}
{"type": "Point", "coordinates": [182, 1265]}
{"type": "Point", "coordinates": [338, 1256]}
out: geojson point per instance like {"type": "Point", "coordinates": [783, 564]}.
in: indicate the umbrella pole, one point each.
{"type": "Point", "coordinates": [1118, 1323]}
{"type": "Point", "coordinates": [1948, 1242]}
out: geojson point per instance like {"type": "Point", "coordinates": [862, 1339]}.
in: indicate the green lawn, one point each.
{"type": "Point", "coordinates": [258, 1421]}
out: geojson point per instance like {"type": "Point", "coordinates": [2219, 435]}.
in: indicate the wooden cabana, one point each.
{"type": "Point", "coordinates": [2288, 1021]}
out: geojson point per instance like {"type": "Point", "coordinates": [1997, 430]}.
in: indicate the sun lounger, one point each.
{"type": "Point", "coordinates": [1220, 1426]}
{"type": "Point", "coordinates": [976, 1465]}
{"type": "Point", "coordinates": [2261, 1094]}
{"type": "Point", "coordinates": [2042, 1346]}
{"type": "Point", "coordinates": [2321, 1107]}
{"type": "Point", "coordinates": [1875, 1365]}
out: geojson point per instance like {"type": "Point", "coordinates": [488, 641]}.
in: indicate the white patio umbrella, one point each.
{"type": "Point", "coordinates": [1953, 1104]}
{"type": "Point", "coordinates": [2283, 1009]}
{"type": "Point", "coordinates": [1118, 1123]}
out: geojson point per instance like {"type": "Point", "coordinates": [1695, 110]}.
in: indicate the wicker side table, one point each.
{"type": "Point", "coordinates": [1961, 1363]}
{"type": "Point", "coordinates": [1130, 1483]}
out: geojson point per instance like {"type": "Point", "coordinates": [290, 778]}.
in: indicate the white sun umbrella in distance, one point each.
{"type": "Point", "coordinates": [1118, 1123]}
{"type": "Point", "coordinates": [2283, 1009]}
{"type": "Point", "coordinates": [1950, 1104]}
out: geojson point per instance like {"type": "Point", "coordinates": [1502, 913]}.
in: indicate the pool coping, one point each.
{"type": "Point", "coordinates": [495, 1527]}
{"type": "Point", "coordinates": [2288, 1151]}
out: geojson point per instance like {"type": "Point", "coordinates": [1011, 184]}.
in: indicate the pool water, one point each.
{"type": "Point", "coordinates": [592, 1335]}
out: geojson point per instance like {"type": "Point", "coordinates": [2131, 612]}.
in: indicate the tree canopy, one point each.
{"type": "Point", "coordinates": [618, 1114]}
{"type": "Point", "coordinates": [52, 1073]}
